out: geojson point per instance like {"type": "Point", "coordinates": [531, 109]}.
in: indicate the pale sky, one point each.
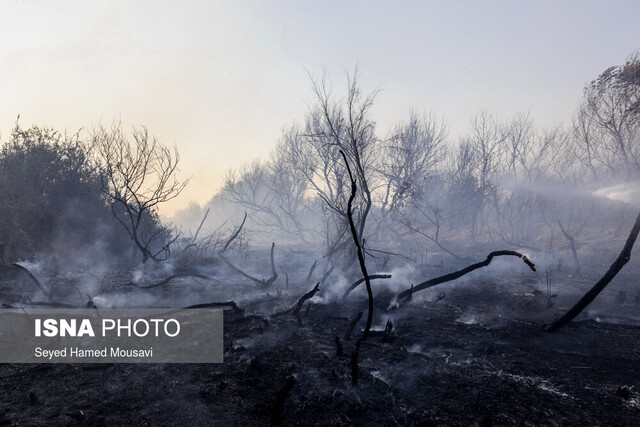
{"type": "Point", "coordinates": [221, 79]}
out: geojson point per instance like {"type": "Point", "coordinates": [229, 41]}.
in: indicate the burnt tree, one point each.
{"type": "Point", "coordinates": [408, 294]}
{"type": "Point", "coordinates": [137, 176]}
{"type": "Point", "coordinates": [365, 274]}
{"type": "Point", "coordinates": [617, 265]}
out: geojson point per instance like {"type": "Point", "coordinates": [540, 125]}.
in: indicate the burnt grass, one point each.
{"type": "Point", "coordinates": [471, 358]}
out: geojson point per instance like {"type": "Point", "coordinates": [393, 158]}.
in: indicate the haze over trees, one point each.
{"type": "Point", "coordinates": [63, 197]}
{"type": "Point", "coordinates": [507, 182]}
{"type": "Point", "coordinates": [420, 194]}
{"type": "Point", "coordinates": [408, 205]}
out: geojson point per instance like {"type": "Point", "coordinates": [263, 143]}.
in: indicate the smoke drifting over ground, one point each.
{"type": "Point", "coordinates": [470, 248]}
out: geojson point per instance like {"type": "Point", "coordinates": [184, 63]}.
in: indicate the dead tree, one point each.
{"type": "Point", "coordinates": [361, 280]}
{"type": "Point", "coordinates": [607, 121]}
{"type": "Point", "coordinates": [407, 294]}
{"type": "Point", "coordinates": [365, 274]}
{"type": "Point", "coordinates": [260, 282]}
{"type": "Point", "coordinates": [617, 265]}
{"type": "Point", "coordinates": [572, 245]}
{"type": "Point", "coordinates": [137, 177]}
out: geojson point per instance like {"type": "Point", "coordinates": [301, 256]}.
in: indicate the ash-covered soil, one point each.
{"type": "Point", "coordinates": [478, 356]}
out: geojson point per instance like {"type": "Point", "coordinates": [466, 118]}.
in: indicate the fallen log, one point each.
{"type": "Point", "coordinates": [295, 310]}
{"type": "Point", "coordinates": [617, 265]}
{"type": "Point", "coordinates": [33, 278]}
{"type": "Point", "coordinates": [170, 278]}
{"type": "Point", "coordinates": [50, 304]}
{"type": "Point", "coordinates": [361, 280]}
{"type": "Point", "coordinates": [405, 295]}
{"type": "Point", "coordinates": [231, 304]}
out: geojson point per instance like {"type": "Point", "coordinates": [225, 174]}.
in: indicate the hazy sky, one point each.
{"type": "Point", "coordinates": [221, 79]}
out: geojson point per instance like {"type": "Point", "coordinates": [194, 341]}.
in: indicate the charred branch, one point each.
{"type": "Point", "coordinates": [361, 280]}
{"type": "Point", "coordinates": [313, 267]}
{"type": "Point", "coordinates": [34, 279]}
{"type": "Point", "coordinates": [274, 274]}
{"type": "Point", "coordinates": [260, 282]}
{"type": "Point", "coordinates": [295, 310]}
{"type": "Point", "coordinates": [170, 278]}
{"type": "Point", "coordinates": [405, 295]}
{"type": "Point", "coordinates": [617, 265]}
{"type": "Point", "coordinates": [235, 234]}
{"type": "Point", "coordinates": [278, 407]}
{"type": "Point", "coordinates": [231, 304]}
{"type": "Point", "coordinates": [437, 242]}
{"type": "Point", "coordinates": [354, 322]}
{"type": "Point", "coordinates": [195, 236]}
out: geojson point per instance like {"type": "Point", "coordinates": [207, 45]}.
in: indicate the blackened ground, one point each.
{"type": "Point", "coordinates": [472, 358]}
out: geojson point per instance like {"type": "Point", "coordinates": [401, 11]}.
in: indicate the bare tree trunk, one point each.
{"type": "Point", "coordinates": [365, 274]}
{"type": "Point", "coordinates": [617, 265]}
